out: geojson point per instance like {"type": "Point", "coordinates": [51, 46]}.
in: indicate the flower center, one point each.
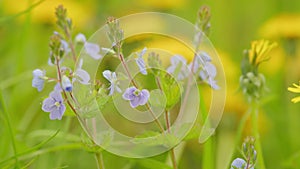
{"type": "Point", "coordinates": [57, 104]}
{"type": "Point", "coordinates": [137, 92]}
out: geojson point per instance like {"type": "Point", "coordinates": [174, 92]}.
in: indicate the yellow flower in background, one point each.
{"type": "Point", "coordinates": [295, 89]}
{"type": "Point", "coordinates": [259, 51]}
{"type": "Point", "coordinates": [282, 26]}
{"type": "Point", "coordinates": [165, 4]}
{"type": "Point", "coordinates": [80, 11]}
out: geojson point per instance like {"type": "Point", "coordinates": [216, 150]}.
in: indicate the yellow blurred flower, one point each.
{"type": "Point", "coordinates": [165, 4]}
{"type": "Point", "coordinates": [295, 89]}
{"type": "Point", "coordinates": [80, 11]}
{"type": "Point", "coordinates": [282, 26]}
{"type": "Point", "coordinates": [259, 51]}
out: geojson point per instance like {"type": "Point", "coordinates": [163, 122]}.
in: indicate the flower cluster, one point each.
{"type": "Point", "coordinates": [61, 47]}
{"type": "Point", "coordinates": [201, 67]}
{"type": "Point", "coordinates": [251, 81]}
{"type": "Point", "coordinates": [249, 154]}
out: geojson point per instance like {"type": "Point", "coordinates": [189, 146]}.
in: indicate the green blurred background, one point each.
{"type": "Point", "coordinates": [24, 47]}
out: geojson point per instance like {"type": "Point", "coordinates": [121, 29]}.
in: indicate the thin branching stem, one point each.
{"type": "Point", "coordinates": [122, 59]}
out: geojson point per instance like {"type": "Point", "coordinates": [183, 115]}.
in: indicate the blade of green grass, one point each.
{"type": "Point", "coordinates": [11, 132]}
{"type": "Point", "coordinates": [30, 150]}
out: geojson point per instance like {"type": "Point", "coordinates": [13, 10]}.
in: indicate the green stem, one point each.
{"type": "Point", "coordinates": [208, 146]}
{"type": "Point", "coordinates": [254, 114]}
{"type": "Point", "coordinates": [172, 152]}
{"type": "Point", "coordinates": [208, 154]}
{"type": "Point", "coordinates": [239, 133]}
{"type": "Point", "coordinates": [100, 161]}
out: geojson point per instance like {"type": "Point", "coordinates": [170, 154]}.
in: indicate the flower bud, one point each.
{"type": "Point", "coordinates": [66, 83]}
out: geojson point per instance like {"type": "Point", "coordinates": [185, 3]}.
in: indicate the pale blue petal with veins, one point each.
{"type": "Point", "coordinates": [38, 79]}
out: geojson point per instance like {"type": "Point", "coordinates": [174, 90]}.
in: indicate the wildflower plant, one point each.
{"type": "Point", "coordinates": [249, 155]}
{"type": "Point", "coordinates": [90, 87]}
{"type": "Point", "coordinates": [253, 86]}
{"type": "Point", "coordinates": [252, 82]}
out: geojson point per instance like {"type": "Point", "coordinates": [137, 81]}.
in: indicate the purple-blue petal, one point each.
{"type": "Point", "coordinates": [135, 102]}
{"type": "Point", "coordinates": [238, 163]}
{"type": "Point", "coordinates": [57, 87]}
{"type": "Point", "coordinates": [57, 113]}
{"type": "Point", "coordinates": [93, 50]}
{"type": "Point", "coordinates": [141, 64]}
{"type": "Point", "coordinates": [80, 38]}
{"type": "Point", "coordinates": [129, 93]}
{"type": "Point", "coordinates": [48, 104]}
{"type": "Point", "coordinates": [107, 74]}
{"type": "Point", "coordinates": [111, 89]}
{"type": "Point", "coordinates": [56, 96]}
{"type": "Point", "coordinates": [83, 76]}
{"type": "Point", "coordinates": [38, 81]}
{"type": "Point", "coordinates": [211, 70]}
{"type": "Point", "coordinates": [144, 96]}
{"type": "Point", "coordinates": [171, 69]}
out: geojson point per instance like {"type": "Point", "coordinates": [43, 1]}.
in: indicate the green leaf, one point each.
{"type": "Point", "coordinates": [153, 164]}
{"type": "Point", "coordinates": [157, 98]}
{"type": "Point", "coordinates": [170, 88]}
{"type": "Point", "coordinates": [152, 138]}
{"type": "Point", "coordinates": [105, 138]}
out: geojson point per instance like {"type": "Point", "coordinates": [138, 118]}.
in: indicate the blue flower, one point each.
{"type": "Point", "coordinates": [54, 105]}
{"type": "Point", "coordinates": [66, 84]}
{"type": "Point", "coordinates": [200, 59]}
{"type": "Point", "coordinates": [136, 97]}
{"type": "Point", "coordinates": [208, 75]}
{"type": "Point", "coordinates": [112, 78]}
{"type": "Point", "coordinates": [178, 67]}
{"type": "Point", "coordinates": [91, 49]}
{"type": "Point", "coordinates": [80, 38]}
{"type": "Point", "coordinates": [81, 75]}
{"type": "Point", "coordinates": [38, 79]}
{"type": "Point", "coordinates": [65, 46]}
{"type": "Point", "coordinates": [140, 61]}
{"type": "Point", "coordinates": [239, 163]}
{"type": "Point", "coordinates": [206, 70]}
